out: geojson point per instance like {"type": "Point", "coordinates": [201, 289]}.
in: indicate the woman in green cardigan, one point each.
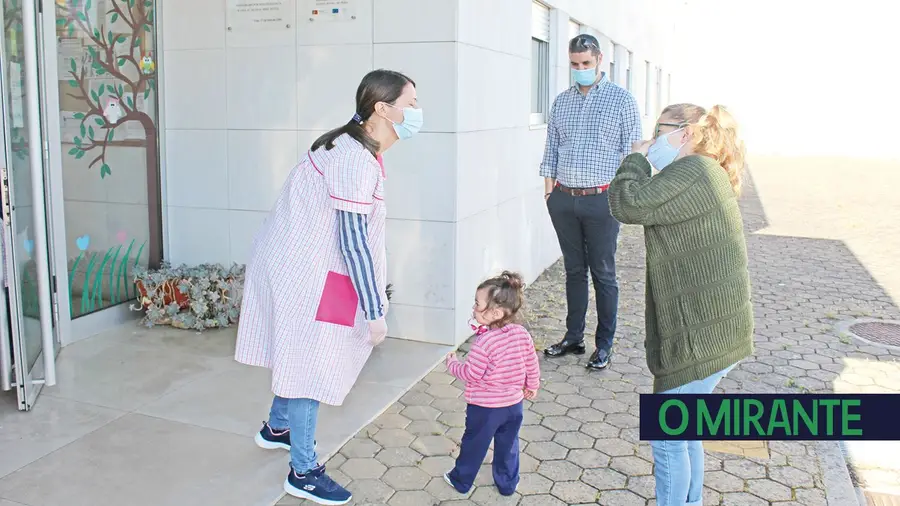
{"type": "Point", "coordinates": [699, 318]}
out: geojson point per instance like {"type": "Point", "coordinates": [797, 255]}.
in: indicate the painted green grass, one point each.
{"type": "Point", "coordinates": [113, 264]}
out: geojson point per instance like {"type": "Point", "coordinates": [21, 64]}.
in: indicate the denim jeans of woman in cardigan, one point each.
{"type": "Point", "coordinates": [678, 465]}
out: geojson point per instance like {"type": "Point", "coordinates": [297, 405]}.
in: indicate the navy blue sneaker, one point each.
{"type": "Point", "coordinates": [271, 440]}
{"type": "Point", "coordinates": [317, 487]}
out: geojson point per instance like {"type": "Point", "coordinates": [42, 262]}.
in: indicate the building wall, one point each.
{"type": "Point", "coordinates": [464, 196]}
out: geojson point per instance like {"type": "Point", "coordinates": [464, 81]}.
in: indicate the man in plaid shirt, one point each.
{"type": "Point", "coordinates": [591, 128]}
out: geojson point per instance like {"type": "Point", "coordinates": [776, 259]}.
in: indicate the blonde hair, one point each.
{"type": "Point", "coordinates": [715, 134]}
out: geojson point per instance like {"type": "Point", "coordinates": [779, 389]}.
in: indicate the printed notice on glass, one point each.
{"type": "Point", "coordinates": [256, 15]}
{"type": "Point", "coordinates": [333, 10]}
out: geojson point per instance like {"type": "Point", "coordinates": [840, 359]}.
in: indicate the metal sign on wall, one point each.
{"type": "Point", "coordinates": [331, 10]}
{"type": "Point", "coordinates": [255, 15]}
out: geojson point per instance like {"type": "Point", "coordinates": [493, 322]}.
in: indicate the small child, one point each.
{"type": "Point", "coordinates": [500, 370]}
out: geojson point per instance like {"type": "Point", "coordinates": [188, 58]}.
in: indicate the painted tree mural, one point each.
{"type": "Point", "coordinates": [110, 73]}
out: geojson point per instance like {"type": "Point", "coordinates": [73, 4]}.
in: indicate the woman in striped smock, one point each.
{"type": "Point", "coordinates": [500, 371]}
{"type": "Point", "coordinates": [314, 296]}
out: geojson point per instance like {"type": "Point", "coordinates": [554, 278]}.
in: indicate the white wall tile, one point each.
{"type": "Point", "coordinates": [421, 183]}
{"type": "Point", "coordinates": [262, 88]}
{"type": "Point", "coordinates": [432, 65]}
{"type": "Point", "coordinates": [417, 323]}
{"type": "Point", "coordinates": [258, 166]}
{"type": "Point", "coordinates": [243, 226]}
{"type": "Point", "coordinates": [327, 79]}
{"type": "Point", "coordinates": [195, 89]}
{"type": "Point", "coordinates": [498, 25]}
{"type": "Point", "coordinates": [421, 262]}
{"type": "Point", "coordinates": [196, 24]}
{"type": "Point", "coordinates": [198, 236]}
{"type": "Point", "coordinates": [494, 89]}
{"type": "Point", "coordinates": [354, 27]}
{"type": "Point", "coordinates": [197, 168]}
{"type": "Point", "coordinates": [493, 168]}
{"type": "Point", "coordinates": [436, 23]}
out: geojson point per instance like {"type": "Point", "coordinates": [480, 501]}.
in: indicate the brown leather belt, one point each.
{"type": "Point", "coordinates": [583, 192]}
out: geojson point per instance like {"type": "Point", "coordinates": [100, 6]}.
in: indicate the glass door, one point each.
{"type": "Point", "coordinates": [29, 334]}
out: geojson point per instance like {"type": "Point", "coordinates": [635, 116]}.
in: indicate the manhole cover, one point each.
{"type": "Point", "coordinates": [878, 332]}
{"type": "Point", "coordinates": [885, 333]}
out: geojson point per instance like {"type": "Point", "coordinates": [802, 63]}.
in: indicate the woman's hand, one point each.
{"type": "Point", "coordinates": [641, 147]}
{"type": "Point", "coordinates": [377, 331]}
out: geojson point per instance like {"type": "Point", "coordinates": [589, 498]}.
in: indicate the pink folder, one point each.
{"type": "Point", "coordinates": [339, 302]}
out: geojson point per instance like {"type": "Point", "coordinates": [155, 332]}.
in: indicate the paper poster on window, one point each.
{"type": "Point", "coordinates": [256, 15]}
{"type": "Point", "coordinates": [332, 10]}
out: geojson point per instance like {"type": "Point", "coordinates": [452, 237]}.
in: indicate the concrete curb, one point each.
{"type": "Point", "coordinates": [839, 489]}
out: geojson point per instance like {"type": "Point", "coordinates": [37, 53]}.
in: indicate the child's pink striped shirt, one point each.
{"type": "Point", "coordinates": [501, 363]}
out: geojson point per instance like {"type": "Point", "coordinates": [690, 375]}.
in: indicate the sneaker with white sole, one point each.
{"type": "Point", "coordinates": [316, 486]}
{"type": "Point", "coordinates": [273, 440]}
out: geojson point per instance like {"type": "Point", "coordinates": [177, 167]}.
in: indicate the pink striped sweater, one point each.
{"type": "Point", "coordinates": [501, 363]}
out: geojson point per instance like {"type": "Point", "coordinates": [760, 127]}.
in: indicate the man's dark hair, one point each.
{"type": "Point", "coordinates": [584, 42]}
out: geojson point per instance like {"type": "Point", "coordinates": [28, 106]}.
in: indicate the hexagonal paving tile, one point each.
{"type": "Point", "coordinates": [596, 393]}
{"type": "Point", "coordinates": [769, 490]}
{"type": "Point", "coordinates": [609, 406]}
{"type": "Point", "coordinates": [623, 420]}
{"type": "Point", "coordinates": [574, 492]}
{"type": "Point", "coordinates": [392, 421]}
{"type": "Point", "coordinates": [406, 478]}
{"type": "Point", "coordinates": [586, 415]}
{"type": "Point", "coordinates": [573, 401]}
{"type": "Point", "coordinates": [369, 491]}
{"type": "Point", "coordinates": [644, 486]}
{"type": "Point", "coordinates": [393, 457]}
{"type": "Point", "coordinates": [412, 498]}
{"type": "Point", "coordinates": [600, 430]}
{"type": "Point", "coordinates": [453, 419]}
{"type": "Point", "coordinates": [360, 448]}
{"type": "Point", "coordinates": [588, 458]}
{"type": "Point", "coordinates": [540, 500]}
{"type": "Point", "coordinates": [560, 470]}
{"type": "Point", "coordinates": [444, 391]}
{"type": "Point", "coordinates": [424, 413]}
{"type": "Point", "coordinates": [620, 498]}
{"type": "Point", "coordinates": [437, 466]}
{"type": "Point", "coordinates": [431, 446]}
{"type": "Point", "coordinates": [631, 466]}
{"type": "Point", "coordinates": [744, 469]}
{"type": "Point", "coordinates": [414, 398]}
{"type": "Point", "coordinates": [450, 405]}
{"type": "Point", "coordinates": [742, 499]}
{"type": "Point", "coordinates": [561, 423]}
{"type": "Point", "coordinates": [604, 478]}
{"type": "Point", "coordinates": [560, 388]}
{"type": "Point", "coordinates": [533, 484]}
{"type": "Point", "coordinates": [393, 438]}
{"type": "Point", "coordinates": [548, 409]}
{"type": "Point", "coordinates": [438, 378]}
{"type": "Point", "coordinates": [790, 476]}
{"type": "Point", "coordinates": [614, 447]}
{"type": "Point", "coordinates": [546, 450]}
{"type": "Point", "coordinates": [721, 481]}
{"type": "Point", "coordinates": [574, 440]}
{"type": "Point", "coordinates": [362, 469]}
{"type": "Point", "coordinates": [440, 490]}
{"type": "Point", "coordinates": [489, 496]}
{"type": "Point", "coordinates": [536, 433]}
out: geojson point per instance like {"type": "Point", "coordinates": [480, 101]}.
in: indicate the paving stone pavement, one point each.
{"type": "Point", "coordinates": [580, 441]}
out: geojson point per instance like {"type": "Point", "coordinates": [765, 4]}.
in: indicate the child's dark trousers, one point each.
{"type": "Point", "coordinates": [482, 426]}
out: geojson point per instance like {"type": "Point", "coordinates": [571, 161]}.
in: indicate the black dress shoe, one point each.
{"type": "Point", "coordinates": [564, 348]}
{"type": "Point", "coordinates": [599, 359]}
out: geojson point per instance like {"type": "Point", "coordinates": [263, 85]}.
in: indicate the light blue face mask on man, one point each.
{"type": "Point", "coordinates": [412, 122]}
{"type": "Point", "coordinates": [662, 153]}
{"type": "Point", "coordinates": [584, 77]}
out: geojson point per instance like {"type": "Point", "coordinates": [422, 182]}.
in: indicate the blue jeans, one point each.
{"type": "Point", "coordinates": [588, 235]}
{"type": "Point", "coordinates": [300, 416]}
{"type": "Point", "coordinates": [678, 465]}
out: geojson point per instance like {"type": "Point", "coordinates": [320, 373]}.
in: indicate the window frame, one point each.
{"type": "Point", "coordinates": [648, 87]}
{"type": "Point", "coordinates": [540, 57]}
{"type": "Point", "coordinates": [629, 73]}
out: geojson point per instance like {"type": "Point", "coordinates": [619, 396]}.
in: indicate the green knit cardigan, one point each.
{"type": "Point", "coordinates": [699, 318]}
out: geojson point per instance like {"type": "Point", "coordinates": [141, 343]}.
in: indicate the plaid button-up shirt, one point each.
{"type": "Point", "coordinates": [589, 135]}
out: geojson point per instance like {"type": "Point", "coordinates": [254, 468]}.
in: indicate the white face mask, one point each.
{"type": "Point", "coordinates": [662, 153]}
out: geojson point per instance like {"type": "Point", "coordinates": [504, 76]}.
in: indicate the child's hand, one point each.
{"type": "Point", "coordinates": [450, 356]}
{"type": "Point", "coordinates": [530, 394]}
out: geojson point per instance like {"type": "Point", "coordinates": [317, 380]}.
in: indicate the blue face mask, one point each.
{"type": "Point", "coordinates": [585, 77]}
{"type": "Point", "coordinates": [662, 153]}
{"type": "Point", "coordinates": [412, 123]}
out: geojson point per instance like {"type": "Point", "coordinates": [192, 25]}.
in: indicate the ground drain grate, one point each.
{"type": "Point", "coordinates": [877, 332]}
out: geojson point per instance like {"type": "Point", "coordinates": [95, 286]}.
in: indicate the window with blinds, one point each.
{"type": "Point", "coordinates": [540, 63]}
{"type": "Point", "coordinates": [574, 29]}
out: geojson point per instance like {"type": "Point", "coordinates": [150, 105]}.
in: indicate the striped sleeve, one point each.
{"type": "Point", "coordinates": [356, 252]}
{"type": "Point", "coordinates": [474, 368]}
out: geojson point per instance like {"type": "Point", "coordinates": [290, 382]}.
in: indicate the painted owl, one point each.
{"type": "Point", "coordinates": [147, 65]}
{"type": "Point", "coordinates": [112, 112]}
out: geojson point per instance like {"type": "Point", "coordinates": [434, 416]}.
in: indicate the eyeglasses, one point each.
{"type": "Point", "coordinates": [676, 125]}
